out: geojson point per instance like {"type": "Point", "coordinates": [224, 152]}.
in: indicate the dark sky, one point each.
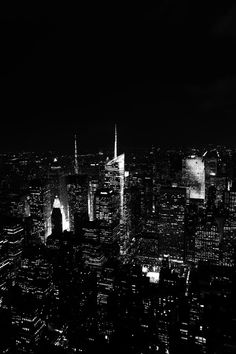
{"type": "Point", "coordinates": [166, 75]}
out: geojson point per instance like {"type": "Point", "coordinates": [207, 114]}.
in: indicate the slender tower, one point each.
{"type": "Point", "coordinates": [76, 157]}
{"type": "Point", "coordinates": [115, 143]}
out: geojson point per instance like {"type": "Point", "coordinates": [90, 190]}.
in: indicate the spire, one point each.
{"type": "Point", "coordinates": [56, 203]}
{"type": "Point", "coordinates": [76, 157]}
{"type": "Point", "coordinates": [115, 144]}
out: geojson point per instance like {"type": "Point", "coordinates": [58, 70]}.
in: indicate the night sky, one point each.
{"type": "Point", "coordinates": [166, 75]}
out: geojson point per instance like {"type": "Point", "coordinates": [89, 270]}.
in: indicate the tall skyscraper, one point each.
{"type": "Point", "coordinates": [107, 213]}
{"type": "Point", "coordinates": [92, 252]}
{"type": "Point", "coordinates": [76, 157]}
{"type": "Point", "coordinates": [4, 259]}
{"type": "Point", "coordinates": [171, 221]}
{"type": "Point", "coordinates": [115, 180]}
{"type": "Point", "coordinates": [207, 242]}
{"type": "Point", "coordinates": [56, 217]}
{"type": "Point", "coordinates": [78, 194]}
{"type": "Point", "coordinates": [57, 185]}
{"type": "Point", "coordinates": [115, 174]}
{"type": "Point", "coordinates": [193, 174]}
{"type": "Point", "coordinates": [14, 234]}
{"type": "Point", "coordinates": [115, 143]}
{"type": "Point", "coordinates": [107, 206]}
{"type": "Point", "coordinates": [40, 209]}
{"type": "Point", "coordinates": [215, 176]}
{"type": "Point", "coordinates": [93, 186]}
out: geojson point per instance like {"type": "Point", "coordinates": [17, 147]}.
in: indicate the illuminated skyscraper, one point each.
{"type": "Point", "coordinates": [91, 247]}
{"type": "Point", "coordinates": [215, 178]}
{"type": "Point", "coordinates": [35, 277]}
{"type": "Point", "coordinates": [107, 212]}
{"type": "Point", "coordinates": [230, 205]}
{"type": "Point", "coordinates": [115, 180]}
{"type": "Point", "coordinates": [107, 206]}
{"type": "Point", "coordinates": [171, 221]}
{"type": "Point", "coordinates": [57, 185]}
{"type": "Point", "coordinates": [40, 209]}
{"type": "Point", "coordinates": [194, 176]}
{"type": "Point", "coordinates": [56, 217]}
{"type": "Point", "coordinates": [14, 234]}
{"type": "Point", "coordinates": [28, 325]}
{"type": "Point", "coordinates": [76, 157]}
{"type": "Point", "coordinates": [207, 243]}
{"type": "Point", "coordinates": [78, 194]}
{"type": "Point", "coordinates": [4, 259]}
{"type": "Point", "coordinates": [115, 143]}
{"type": "Point", "coordinates": [115, 174]}
{"type": "Point", "coordinates": [93, 186]}
{"type": "Point", "coordinates": [55, 176]}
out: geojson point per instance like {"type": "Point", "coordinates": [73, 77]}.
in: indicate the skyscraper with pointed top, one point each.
{"type": "Point", "coordinates": [115, 173]}
{"type": "Point", "coordinates": [56, 217]}
{"type": "Point", "coordinates": [115, 143]}
{"type": "Point", "coordinates": [115, 177]}
{"type": "Point", "coordinates": [77, 186]}
{"type": "Point", "coordinates": [76, 157]}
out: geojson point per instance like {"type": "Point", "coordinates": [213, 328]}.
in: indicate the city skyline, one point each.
{"type": "Point", "coordinates": [118, 178]}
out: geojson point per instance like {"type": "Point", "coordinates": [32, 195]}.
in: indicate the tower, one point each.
{"type": "Point", "coordinates": [56, 217]}
{"type": "Point", "coordinates": [77, 191]}
{"type": "Point", "coordinates": [115, 178]}
{"type": "Point", "coordinates": [115, 143]}
{"type": "Point", "coordinates": [76, 157]}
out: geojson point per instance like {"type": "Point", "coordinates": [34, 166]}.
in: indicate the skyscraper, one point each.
{"type": "Point", "coordinates": [171, 221]}
{"type": "Point", "coordinates": [193, 174]}
{"type": "Point", "coordinates": [115, 180]}
{"type": "Point", "coordinates": [14, 233]}
{"type": "Point", "coordinates": [115, 175]}
{"type": "Point", "coordinates": [107, 206]}
{"type": "Point", "coordinates": [76, 157]}
{"type": "Point", "coordinates": [107, 212]}
{"type": "Point", "coordinates": [207, 242]}
{"type": "Point", "coordinates": [4, 259]}
{"type": "Point", "coordinates": [91, 247]}
{"type": "Point", "coordinates": [57, 185]}
{"type": "Point", "coordinates": [56, 217]}
{"type": "Point", "coordinates": [78, 192]}
{"type": "Point", "coordinates": [40, 209]}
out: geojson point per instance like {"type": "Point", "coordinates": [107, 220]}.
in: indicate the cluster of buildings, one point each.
{"type": "Point", "coordinates": [133, 254]}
